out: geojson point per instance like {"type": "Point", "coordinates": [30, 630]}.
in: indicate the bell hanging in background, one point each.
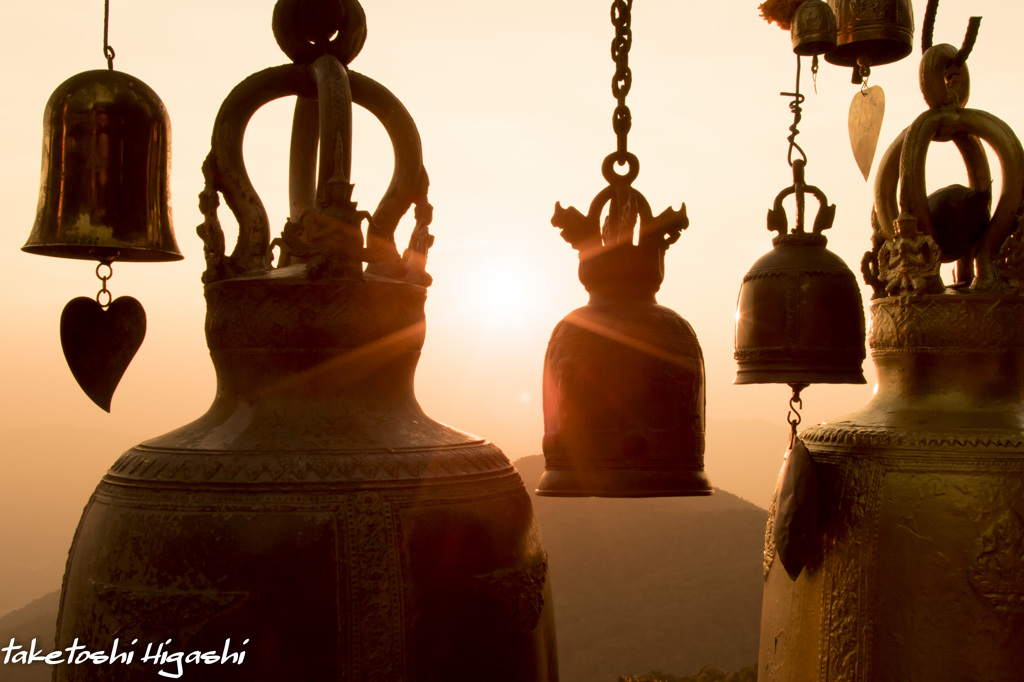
{"type": "Point", "coordinates": [871, 33]}
{"type": "Point", "coordinates": [799, 317]}
{"type": "Point", "coordinates": [104, 195]}
{"type": "Point", "coordinates": [813, 28]}
{"type": "Point", "coordinates": [623, 376]}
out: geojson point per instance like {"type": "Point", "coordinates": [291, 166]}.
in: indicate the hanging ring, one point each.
{"type": "Point", "coordinates": [864, 72]}
{"type": "Point", "coordinates": [618, 158]}
{"type": "Point", "coordinates": [105, 275]}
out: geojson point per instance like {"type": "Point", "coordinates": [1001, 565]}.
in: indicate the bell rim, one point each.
{"type": "Point", "coordinates": [746, 377]}
{"type": "Point", "coordinates": [626, 483]}
{"type": "Point", "coordinates": [852, 45]}
{"type": "Point", "coordinates": [104, 254]}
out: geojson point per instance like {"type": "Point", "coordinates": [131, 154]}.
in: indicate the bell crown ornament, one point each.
{"type": "Point", "coordinates": [104, 191]}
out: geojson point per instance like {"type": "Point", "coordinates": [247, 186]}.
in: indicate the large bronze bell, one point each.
{"type": "Point", "coordinates": [314, 519]}
{"type": "Point", "coordinates": [623, 376]}
{"type": "Point", "coordinates": [916, 569]}
{"type": "Point", "coordinates": [799, 316]}
{"type": "Point", "coordinates": [104, 192]}
{"type": "Point", "coordinates": [871, 32]}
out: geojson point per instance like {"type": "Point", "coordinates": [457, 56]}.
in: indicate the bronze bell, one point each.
{"type": "Point", "coordinates": [104, 192]}
{"type": "Point", "coordinates": [813, 29]}
{"type": "Point", "coordinates": [799, 317]}
{"type": "Point", "coordinates": [623, 376]}
{"type": "Point", "coordinates": [914, 571]}
{"type": "Point", "coordinates": [871, 32]}
{"type": "Point", "coordinates": [314, 518]}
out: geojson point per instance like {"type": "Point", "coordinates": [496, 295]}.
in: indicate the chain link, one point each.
{"type": "Point", "coordinates": [622, 120]}
{"type": "Point", "coordinates": [103, 296]}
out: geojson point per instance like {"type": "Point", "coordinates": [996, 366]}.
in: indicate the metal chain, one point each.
{"type": "Point", "coordinates": [103, 296]}
{"type": "Point", "coordinates": [622, 80]}
{"type": "Point", "coordinates": [108, 51]}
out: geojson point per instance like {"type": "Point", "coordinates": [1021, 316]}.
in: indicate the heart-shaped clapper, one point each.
{"type": "Point", "coordinates": [866, 113]}
{"type": "Point", "coordinates": [99, 343]}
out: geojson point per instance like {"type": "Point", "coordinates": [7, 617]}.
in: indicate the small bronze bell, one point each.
{"type": "Point", "coordinates": [799, 317]}
{"type": "Point", "coordinates": [623, 376]}
{"type": "Point", "coordinates": [104, 191]}
{"type": "Point", "coordinates": [813, 29]}
{"type": "Point", "coordinates": [871, 32]}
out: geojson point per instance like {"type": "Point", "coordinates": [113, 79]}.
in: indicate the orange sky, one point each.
{"type": "Point", "coordinates": [514, 108]}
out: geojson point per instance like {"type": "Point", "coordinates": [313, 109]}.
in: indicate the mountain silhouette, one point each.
{"type": "Point", "coordinates": [671, 584]}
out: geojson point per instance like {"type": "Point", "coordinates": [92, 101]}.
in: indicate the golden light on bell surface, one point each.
{"type": "Point", "coordinates": [799, 318]}
{"type": "Point", "coordinates": [104, 190]}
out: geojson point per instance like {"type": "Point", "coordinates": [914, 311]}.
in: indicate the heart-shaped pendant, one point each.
{"type": "Point", "coordinates": [866, 113]}
{"type": "Point", "coordinates": [100, 344]}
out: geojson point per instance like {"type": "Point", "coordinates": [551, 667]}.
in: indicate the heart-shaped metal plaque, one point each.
{"type": "Point", "coordinates": [866, 113]}
{"type": "Point", "coordinates": [100, 344]}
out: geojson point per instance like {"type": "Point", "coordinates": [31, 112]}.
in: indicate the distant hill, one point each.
{"type": "Point", "coordinates": [36, 620]}
{"type": "Point", "coordinates": [670, 584]}
{"type": "Point", "coordinates": [48, 475]}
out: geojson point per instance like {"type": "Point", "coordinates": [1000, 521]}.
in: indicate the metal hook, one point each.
{"type": "Point", "coordinates": [795, 405]}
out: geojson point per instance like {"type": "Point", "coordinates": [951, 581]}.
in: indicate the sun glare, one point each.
{"type": "Point", "coordinates": [502, 294]}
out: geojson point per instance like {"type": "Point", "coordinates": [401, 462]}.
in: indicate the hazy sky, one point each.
{"type": "Point", "coordinates": [514, 108]}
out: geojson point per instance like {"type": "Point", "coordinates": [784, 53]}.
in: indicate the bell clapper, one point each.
{"type": "Point", "coordinates": [867, 109]}
{"type": "Point", "coordinates": [100, 336]}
